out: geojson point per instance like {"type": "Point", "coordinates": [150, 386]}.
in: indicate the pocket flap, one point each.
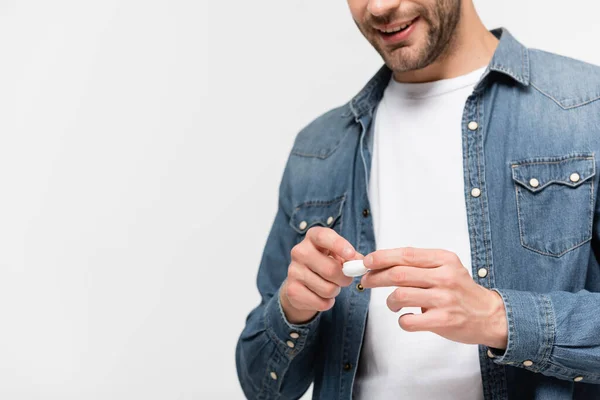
{"type": "Point", "coordinates": [536, 174]}
{"type": "Point", "coordinates": [311, 213]}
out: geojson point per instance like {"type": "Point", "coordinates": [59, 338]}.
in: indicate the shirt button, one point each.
{"type": "Point", "coordinates": [490, 354]}
{"type": "Point", "coordinates": [329, 220]}
{"type": "Point", "coordinates": [290, 344]}
{"type": "Point", "coordinates": [360, 287]}
{"type": "Point", "coordinates": [273, 376]}
{"type": "Point", "coordinates": [294, 335]}
{"type": "Point", "coordinates": [347, 367]}
{"type": "Point", "coordinates": [534, 183]}
{"type": "Point", "coordinates": [578, 379]}
{"type": "Point", "coordinates": [482, 272]}
{"type": "Point", "coordinates": [366, 213]}
{"type": "Point", "coordinates": [528, 363]}
{"type": "Point", "coordinates": [476, 192]}
{"type": "Point", "coordinates": [473, 125]}
{"type": "Point", "coordinates": [303, 225]}
{"type": "Point", "coordinates": [574, 177]}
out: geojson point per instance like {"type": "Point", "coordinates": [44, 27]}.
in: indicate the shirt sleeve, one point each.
{"type": "Point", "coordinates": [274, 358]}
{"type": "Point", "coordinates": [556, 334]}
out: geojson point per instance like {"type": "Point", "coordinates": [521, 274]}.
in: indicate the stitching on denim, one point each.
{"type": "Point", "coordinates": [279, 345]}
{"type": "Point", "coordinates": [591, 210]}
{"type": "Point", "coordinates": [340, 218]}
{"type": "Point", "coordinates": [297, 153]}
{"type": "Point", "coordinates": [511, 329]}
{"type": "Point", "coordinates": [572, 373]}
{"type": "Point", "coordinates": [550, 160]}
{"type": "Point", "coordinates": [280, 351]}
{"type": "Point", "coordinates": [541, 251]}
{"type": "Point", "coordinates": [553, 181]}
{"type": "Point", "coordinates": [345, 342]}
{"type": "Point", "coordinates": [526, 64]}
{"type": "Point", "coordinates": [545, 338]}
{"type": "Point", "coordinates": [556, 160]}
{"type": "Point", "coordinates": [561, 104]}
{"type": "Point", "coordinates": [469, 214]}
{"type": "Point", "coordinates": [521, 236]}
{"type": "Point", "coordinates": [559, 254]}
{"type": "Point", "coordinates": [550, 331]}
{"type": "Point", "coordinates": [321, 203]}
{"type": "Point", "coordinates": [479, 146]}
{"type": "Point", "coordinates": [326, 152]}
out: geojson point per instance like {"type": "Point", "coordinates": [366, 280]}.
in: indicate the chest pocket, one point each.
{"type": "Point", "coordinates": [318, 213]}
{"type": "Point", "coordinates": [555, 202]}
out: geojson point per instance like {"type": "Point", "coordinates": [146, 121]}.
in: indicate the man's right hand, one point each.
{"type": "Point", "coordinates": [315, 275]}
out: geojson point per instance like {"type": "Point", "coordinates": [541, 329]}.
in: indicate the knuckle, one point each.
{"type": "Point", "coordinates": [312, 232]}
{"type": "Point", "coordinates": [398, 276]}
{"type": "Point", "coordinates": [409, 253]}
{"type": "Point", "coordinates": [298, 252]}
{"type": "Point", "coordinates": [293, 290]}
{"type": "Point", "coordinates": [325, 304]}
{"type": "Point", "coordinates": [320, 234]}
{"type": "Point", "coordinates": [294, 272]}
{"type": "Point", "coordinates": [443, 298]}
{"type": "Point", "coordinates": [445, 279]}
{"type": "Point", "coordinates": [329, 273]}
{"type": "Point", "coordinates": [331, 290]}
{"type": "Point", "coordinates": [377, 257]}
{"type": "Point", "coordinates": [451, 258]}
{"type": "Point", "coordinates": [338, 244]}
{"type": "Point", "coordinates": [447, 319]}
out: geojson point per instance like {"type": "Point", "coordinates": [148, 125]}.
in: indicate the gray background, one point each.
{"type": "Point", "coordinates": [141, 147]}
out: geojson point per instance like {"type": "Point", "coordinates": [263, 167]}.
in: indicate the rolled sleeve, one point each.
{"type": "Point", "coordinates": [531, 330]}
{"type": "Point", "coordinates": [289, 338]}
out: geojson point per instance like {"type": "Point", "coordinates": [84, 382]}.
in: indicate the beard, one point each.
{"type": "Point", "coordinates": [441, 21]}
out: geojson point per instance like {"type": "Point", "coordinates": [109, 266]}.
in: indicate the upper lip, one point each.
{"type": "Point", "coordinates": [396, 25]}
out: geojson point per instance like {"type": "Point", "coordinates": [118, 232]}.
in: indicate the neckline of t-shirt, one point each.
{"type": "Point", "coordinates": [435, 88]}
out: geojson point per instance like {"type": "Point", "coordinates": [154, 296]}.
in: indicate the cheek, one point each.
{"type": "Point", "coordinates": [358, 8]}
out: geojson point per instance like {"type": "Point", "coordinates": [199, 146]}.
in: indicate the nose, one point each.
{"type": "Point", "coordinates": [380, 8]}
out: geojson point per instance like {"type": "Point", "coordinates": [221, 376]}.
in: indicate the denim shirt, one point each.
{"type": "Point", "coordinates": [530, 134]}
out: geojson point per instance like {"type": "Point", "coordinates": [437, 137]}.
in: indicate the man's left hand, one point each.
{"type": "Point", "coordinates": [453, 305]}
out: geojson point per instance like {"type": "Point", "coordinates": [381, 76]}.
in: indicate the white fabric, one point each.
{"type": "Point", "coordinates": [417, 199]}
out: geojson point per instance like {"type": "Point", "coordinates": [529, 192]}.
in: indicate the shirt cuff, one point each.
{"type": "Point", "coordinates": [531, 328]}
{"type": "Point", "coordinates": [289, 338]}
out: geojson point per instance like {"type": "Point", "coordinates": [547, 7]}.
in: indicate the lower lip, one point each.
{"type": "Point", "coordinates": [400, 36]}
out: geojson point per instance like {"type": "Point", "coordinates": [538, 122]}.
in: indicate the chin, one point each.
{"type": "Point", "coordinates": [403, 59]}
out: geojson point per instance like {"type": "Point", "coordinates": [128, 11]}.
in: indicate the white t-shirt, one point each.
{"type": "Point", "coordinates": [417, 199]}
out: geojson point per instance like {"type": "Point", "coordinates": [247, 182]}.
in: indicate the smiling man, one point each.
{"type": "Point", "coordinates": [465, 172]}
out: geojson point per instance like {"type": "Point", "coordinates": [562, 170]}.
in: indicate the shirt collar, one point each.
{"type": "Point", "coordinates": [510, 58]}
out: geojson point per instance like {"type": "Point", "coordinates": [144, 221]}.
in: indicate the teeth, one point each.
{"type": "Point", "coordinates": [398, 29]}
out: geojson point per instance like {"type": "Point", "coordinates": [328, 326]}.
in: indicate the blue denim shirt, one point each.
{"type": "Point", "coordinates": [530, 133]}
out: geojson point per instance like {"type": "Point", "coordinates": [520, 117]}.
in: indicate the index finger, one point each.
{"type": "Point", "coordinates": [328, 239]}
{"type": "Point", "coordinates": [407, 256]}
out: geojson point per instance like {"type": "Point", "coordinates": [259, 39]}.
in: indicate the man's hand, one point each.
{"type": "Point", "coordinates": [315, 275]}
{"type": "Point", "coordinates": [453, 305]}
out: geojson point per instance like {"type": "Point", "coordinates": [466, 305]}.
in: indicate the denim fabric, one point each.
{"type": "Point", "coordinates": [534, 228]}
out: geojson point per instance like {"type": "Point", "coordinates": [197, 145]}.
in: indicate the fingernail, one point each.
{"type": "Point", "coordinates": [368, 261]}
{"type": "Point", "coordinates": [348, 252]}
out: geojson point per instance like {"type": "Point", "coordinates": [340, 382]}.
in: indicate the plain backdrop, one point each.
{"type": "Point", "coordinates": [141, 147]}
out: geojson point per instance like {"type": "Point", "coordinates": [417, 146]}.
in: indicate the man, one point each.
{"type": "Point", "coordinates": [465, 173]}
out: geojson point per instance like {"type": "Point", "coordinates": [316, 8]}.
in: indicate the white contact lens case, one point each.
{"type": "Point", "coordinates": [354, 268]}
